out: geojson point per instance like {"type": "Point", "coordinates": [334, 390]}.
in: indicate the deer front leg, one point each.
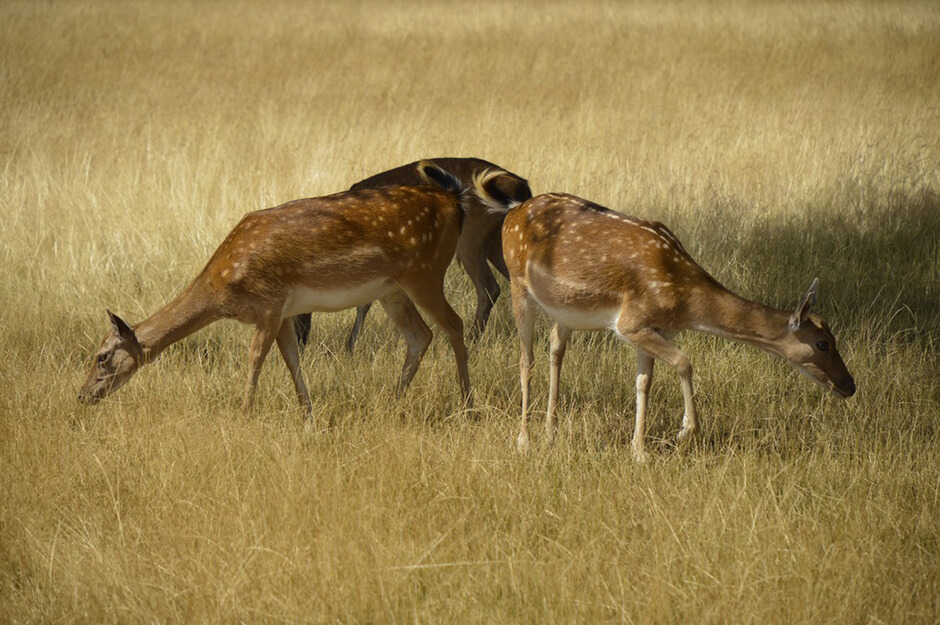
{"type": "Point", "coordinates": [559, 342]}
{"type": "Point", "coordinates": [644, 380]}
{"type": "Point", "coordinates": [265, 332]}
{"type": "Point", "coordinates": [658, 346]}
{"type": "Point", "coordinates": [689, 419]}
{"type": "Point", "coordinates": [287, 343]}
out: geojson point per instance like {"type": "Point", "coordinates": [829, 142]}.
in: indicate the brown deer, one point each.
{"type": "Point", "coordinates": [321, 254]}
{"type": "Point", "coordinates": [480, 238]}
{"type": "Point", "coordinates": [590, 268]}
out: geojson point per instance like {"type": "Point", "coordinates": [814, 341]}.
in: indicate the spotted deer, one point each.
{"type": "Point", "coordinates": [321, 254]}
{"type": "Point", "coordinates": [480, 237]}
{"type": "Point", "coordinates": [590, 268]}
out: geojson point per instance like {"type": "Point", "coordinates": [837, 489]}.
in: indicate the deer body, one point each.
{"type": "Point", "coordinates": [480, 236]}
{"type": "Point", "coordinates": [321, 254]}
{"type": "Point", "coordinates": [590, 268]}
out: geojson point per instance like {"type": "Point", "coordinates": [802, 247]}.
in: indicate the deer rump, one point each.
{"type": "Point", "coordinates": [493, 192]}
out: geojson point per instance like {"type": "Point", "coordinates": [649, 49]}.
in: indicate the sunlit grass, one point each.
{"type": "Point", "coordinates": [779, 142]}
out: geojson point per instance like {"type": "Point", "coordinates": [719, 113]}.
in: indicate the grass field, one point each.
{"type": "Point", "coordinates": [779, 141]}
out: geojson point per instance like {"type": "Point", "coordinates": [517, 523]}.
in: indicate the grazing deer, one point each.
{"type": "Point", "coordinates": [590, 268]}
{"type": "Point", "coordinates": [480, 236]}
{"type": "Point", "coordinates": [321, 254]}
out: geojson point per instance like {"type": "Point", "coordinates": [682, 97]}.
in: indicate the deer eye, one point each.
{"type": "Point", "coordinates": [822, 346]}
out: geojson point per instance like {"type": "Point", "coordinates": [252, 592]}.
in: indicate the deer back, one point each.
{"type": "Point", "coordinates": [338, 241]}
{"type": "Point", "coordinates": [573, 254]}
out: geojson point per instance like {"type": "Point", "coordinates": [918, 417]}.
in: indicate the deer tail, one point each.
{"type": "Point", "coordinates": [433, 174]}
{"type": "Point", "coordinates": [499, 190]}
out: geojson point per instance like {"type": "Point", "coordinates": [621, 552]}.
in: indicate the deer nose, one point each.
{"type": "Point", "coordinates": [851, 387]}
{"type": "Point", "coordinates": [847, 388]}
{"type": "Point", "coordinates": [87, 398]}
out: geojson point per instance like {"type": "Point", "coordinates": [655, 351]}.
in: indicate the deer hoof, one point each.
{"type": "Point", "coordinates": [686, 433]}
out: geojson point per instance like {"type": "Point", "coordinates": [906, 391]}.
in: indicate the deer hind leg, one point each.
{"type": "Point", "coordinates": [494, 252]}
{"type": "Point", "coordinates": [361, 313]}
{"type": "Point", "coordinates": [302, 328]}
{"type": "Point", "coordinates": [487, 289]}
{"type": "Point", "coordinates": [658, 346]}
{"type": "Point", "coordinates": [559, 342]}
{"type": "Point", "coordinates": [429, 297]}
{"type": "Point", "coordinates": [404, 315]}
{"type": "Point", "coordinates": [644, 380]}
{"type": "Point", "coordinates": [265, 332]}
{"type": "Point", "coordinates": [287, 343]}
{"type": "Point", "coordinates": [523, 311]}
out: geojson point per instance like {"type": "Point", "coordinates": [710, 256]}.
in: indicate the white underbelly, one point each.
{"type": "Point", "coordinates": [304, 300]}
{"type": "Point", "coordinates": [576, 319]}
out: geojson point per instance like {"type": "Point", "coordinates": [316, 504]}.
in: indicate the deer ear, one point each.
{"type": "Point", "coordinates": [806, 305]}
{"type": "Point", "coordinates": [121, 328]}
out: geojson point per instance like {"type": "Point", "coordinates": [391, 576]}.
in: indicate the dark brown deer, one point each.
{"type": "Point", "coordinates": [322, 254]}
{"type": "Point", "coordinates": [590, 268]}
{"type": "Point", "coordinates": [480, 237]}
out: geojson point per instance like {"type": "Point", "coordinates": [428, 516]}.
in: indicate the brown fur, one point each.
{"type": "Point", "coordinates": [480, 235]}
{"type": "Point", "coordinates": [320, 254]}
{"type": "Point", "coordinates": [591, 268]}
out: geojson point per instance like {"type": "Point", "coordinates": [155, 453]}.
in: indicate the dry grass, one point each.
{"type": "Point", "coordinates": [779, 142]}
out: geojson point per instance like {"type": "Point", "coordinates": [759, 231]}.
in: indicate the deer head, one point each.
{"type": "Point", "coordinates": [811, 348]}
{"type": "Point", "coordinates": [117, 359]}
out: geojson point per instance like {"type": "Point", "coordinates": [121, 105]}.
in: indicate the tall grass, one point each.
{"type": "Point", "coordinates": [779, 141]}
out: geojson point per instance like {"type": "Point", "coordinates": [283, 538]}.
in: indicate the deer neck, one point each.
{"type": "Point", "coordinates": [735, 318]}
{"type": "Point", "coordinates": [191, 311]}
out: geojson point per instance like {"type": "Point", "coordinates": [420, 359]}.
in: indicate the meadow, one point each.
{"type": "Point", "coordinates": [779, 141]}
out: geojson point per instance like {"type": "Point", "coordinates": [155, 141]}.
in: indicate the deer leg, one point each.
{"type": "Point", "coordinates": [302, 327]}
{"type": "Point", "coordinates": [265, 332]}
{"type": "Point", "coordinates": [523, 312]}
{"type": "Point", "coordinates": [287, 343]}
{"type": "Point", "coordinates": [644, 380]}
{"type": "Point", "coordinates": [559, 342]}
{"type": "Point", "coordinates": [658, 346]}
{"type": "Point", "coordinates": [417, 334]}
{"type": "Point", "coordinates": [433, 302]}
{"type": "Point", "coordinates": [494, 252]}
{"type": "Point", "coordinates": [361, 313]}
{"type": "Point", "coordinates": [473, 260]}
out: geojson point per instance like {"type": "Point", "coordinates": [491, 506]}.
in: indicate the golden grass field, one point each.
{"type": "Point", "coordinates": [779, 141]}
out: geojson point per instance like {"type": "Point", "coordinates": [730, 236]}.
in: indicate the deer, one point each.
{"type": "Point", "coordinates": [480, 237]}
{"type": "Point", "coordinates": [322, 254]}
{"type": "Point", "coordinates": [591, 268]}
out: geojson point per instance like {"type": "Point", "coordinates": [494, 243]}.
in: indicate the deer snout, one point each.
{"type": "Point", "coordinates": [88, 397]}
{"type": "Point", "coordinates": [849, 388]}
{"type": "Point", "coordinates": [845, 388]}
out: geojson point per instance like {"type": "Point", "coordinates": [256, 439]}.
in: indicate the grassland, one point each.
{"type": "Point", "coordinates": [780, 141]}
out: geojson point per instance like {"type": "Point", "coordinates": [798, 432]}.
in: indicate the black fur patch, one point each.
{"type": "Point", "coordinates": [443, 179]}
